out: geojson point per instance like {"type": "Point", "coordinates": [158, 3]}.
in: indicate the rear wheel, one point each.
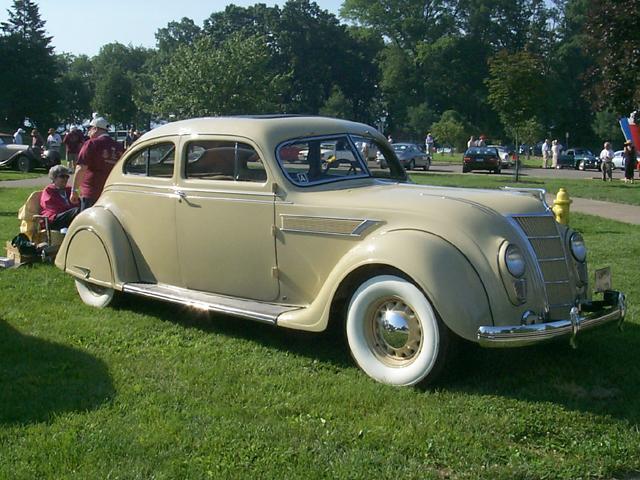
{"type": "Point", "coordinates": [427, 165]}
{"type": "Point", "coordinates": [411, 165]}
{"type": "Point", "coordinates": [394, 334]}
{"type": "Point", "coordinates": [23, 163]}
{"type": "Point", "coordinates": [95, 295]}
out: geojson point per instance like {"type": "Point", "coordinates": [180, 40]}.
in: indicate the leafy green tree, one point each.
{"type": "Point", "coordinates": [516, 89]}
{"type": "Point", "coordinates": [450, 129]}
{"type": "Point", "coordinates": [606, 127]}
{"type": "Point", "coordinates": [207, 80]}
{"type": "Point", "coordinates": [613, 36]}
{"type": "Point", "coordinates": [121, 80]}
{"type": "Point", "coordinates": [27, 83]}
{"type": "Point", "coordinates": [530, 131]}
{"type": "Point", "coordinates": [75, 85]}
{"type": "Point", "coordinates": [337, 105]}
{"type": "Point", "coordinates": [176, 34]}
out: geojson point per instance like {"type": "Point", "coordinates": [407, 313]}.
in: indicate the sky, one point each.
{"type": "Point", "coordinates": [81, 27]}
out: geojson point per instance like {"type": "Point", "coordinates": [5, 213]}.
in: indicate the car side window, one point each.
{"type": "Point", "coordinates": [224, 160]}
{"type": "Point", "coordinates": [154, 161]}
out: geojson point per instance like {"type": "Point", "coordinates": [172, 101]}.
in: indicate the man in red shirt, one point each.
{"type": "Point", "coordinates": [97, 157]}
{"type": "Point", "coordinates": [73, 141]}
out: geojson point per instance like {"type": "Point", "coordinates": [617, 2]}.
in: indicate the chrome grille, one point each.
{"type": "Point", "coordinates": [542, 233]}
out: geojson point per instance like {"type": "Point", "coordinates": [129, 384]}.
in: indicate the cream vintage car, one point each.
{"type": "Point", "coordinates": [208, 213]}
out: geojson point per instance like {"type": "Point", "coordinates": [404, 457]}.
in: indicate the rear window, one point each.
{"type": "Point", "coordinates": [481, 151]}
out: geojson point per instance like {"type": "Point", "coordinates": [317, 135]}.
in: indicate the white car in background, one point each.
{"type": "Point", "coordinates": [504, 154]}
{"type": "Point", "coordinates": [618, 160]}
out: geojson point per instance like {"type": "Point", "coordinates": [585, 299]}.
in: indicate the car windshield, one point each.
{"type": "Point", "coordinates": [582, 151]}
{"type": "Point", "coordinates": [312, 161]}
{"type": "Point", "coordinates": [6, 139]}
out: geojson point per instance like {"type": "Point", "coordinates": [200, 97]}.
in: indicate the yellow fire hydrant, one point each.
{"type": "Point", "coordinates": [561, 207]}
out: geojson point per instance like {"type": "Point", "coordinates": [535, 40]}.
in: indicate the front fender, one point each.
{"type": "Point", "coordinates": [97, 249]}
{"type": "Point", "coordinates": [445, 275]}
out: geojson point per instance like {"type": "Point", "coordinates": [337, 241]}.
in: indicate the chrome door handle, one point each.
{"type": "Point", "coordinates": [181, 194]}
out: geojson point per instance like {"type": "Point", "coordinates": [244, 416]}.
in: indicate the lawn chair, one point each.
{"type": "Point", "coordinates": [32, 223]}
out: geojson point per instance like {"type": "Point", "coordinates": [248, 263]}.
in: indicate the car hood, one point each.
{"type": "Point", "coordinates": [12, 147]}
{"type": "Point", "coordinates": [440, 210]}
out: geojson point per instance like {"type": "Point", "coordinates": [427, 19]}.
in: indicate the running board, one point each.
{"type": "Point", "coordinates": [249, 309]}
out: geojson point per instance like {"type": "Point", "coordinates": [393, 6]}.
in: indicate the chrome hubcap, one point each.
{"type": "Point", "coordinates": [394, 331]}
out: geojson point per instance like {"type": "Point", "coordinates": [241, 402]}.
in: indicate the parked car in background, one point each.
{"type": "Point", "coordinates": [444, 148]}
{"type": "Point", "coordinates": [22, 157]}
{"type": "Point", "coordinates": [411, 156]}
{"type": "Point", "coordinates": [506, 155]}
{"type": "Point", "coordinates": [618, 160]}
{"type": "Point", "coordinates": [206, 213]}
{"type": "Point", "coordinates": [580, 159]}
{"type": "Point", "coordinates": [481, 158]}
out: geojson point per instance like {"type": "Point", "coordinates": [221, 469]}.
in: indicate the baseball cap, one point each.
{"type": "Point", "coordinates": [100, 122]}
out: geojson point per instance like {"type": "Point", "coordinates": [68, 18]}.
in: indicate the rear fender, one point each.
{"type": "Point", "coordinates": [97, 249]}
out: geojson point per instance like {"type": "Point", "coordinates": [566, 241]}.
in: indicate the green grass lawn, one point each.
{"type": "Point", "coordinates": [617, 191]}
{"type": "Point", "coordinates": [151, 390]}
{"type": "Point", "coordinates": [15, 175]}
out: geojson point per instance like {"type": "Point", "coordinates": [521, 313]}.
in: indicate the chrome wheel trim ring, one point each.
{"type": "Point", "coordinates": [393, 331]}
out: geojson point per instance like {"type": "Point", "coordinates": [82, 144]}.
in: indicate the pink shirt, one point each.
{"type": "Point", "coordinates": [54, 201]}
{"type": "Point", "coordinates": [99, 155]}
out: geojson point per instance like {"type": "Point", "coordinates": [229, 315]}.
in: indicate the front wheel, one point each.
{"type": "Point", "coordinates": [581, 165]}
{"type": "Point", "coordinates": [411, 165]}
{"type": "Point", "coordinates": [95, 295]}
{"type": "Point", "coordinates": [394, 334]}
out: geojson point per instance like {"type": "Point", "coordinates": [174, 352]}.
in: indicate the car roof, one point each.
{"type": "Point", "coordinates": [263, 126]}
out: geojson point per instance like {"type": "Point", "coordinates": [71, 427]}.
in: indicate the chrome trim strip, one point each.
{"type": "Point", "coordinates": [523, 335]}
{"type": "Point", "coordinates": [557, 259]}
{"type": "Point", "coordinates": [248, 309]}
{"type": "Point", "coordinates": [358, 231]}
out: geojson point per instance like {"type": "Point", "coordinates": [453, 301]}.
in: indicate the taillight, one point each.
{"type": "Point", "coordinates": [466, 159]}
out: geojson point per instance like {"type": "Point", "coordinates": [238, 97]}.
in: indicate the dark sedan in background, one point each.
{"type": "Point", "coordinates": [481, 158]}
{"type": "Point", "coordinates": [579, 158]}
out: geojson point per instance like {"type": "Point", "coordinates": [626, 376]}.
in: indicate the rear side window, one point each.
{"type": "Point", "coordinates": [154, 161]}
{"type": "Point", "coordinates": [224, 160]}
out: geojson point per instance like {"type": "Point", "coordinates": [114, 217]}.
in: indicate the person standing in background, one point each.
{"type": "Point", "coordinates": [96, 159]}
{"type": "Point", "coordinates": [36, 142]}
{"type": "Point", "coordinates": [73, 142]}
{"type": "Point", "coordinates": [606, 156]}
{"type": "Point", "coordinates": [428, 143]}
{"type": "Point", "coordinates": [17, 137]}
{"type": "Point", "coordinates": [555, 154]}
{"type": "Point", "coordinates": [546, 153]}
{"type": "Point", "coordinates": [630, 161]}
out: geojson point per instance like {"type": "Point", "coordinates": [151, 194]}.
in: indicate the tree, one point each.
{"type": "Point", "coordinates": [177, 34]}
{"type": "Point", "coordinates": [606, 127]}
{"type": "Point", "coordinates": [450, 129]}
{"type": "Point", "coordinates": [207, 80]}
{"type": "Point", "coordinates": [121, 81]}
{"type": "Point", "coordinates": [613, 30]}
{"type": "Point", "coordinates": [75, 85]}
{"type": "Point", "coordinates": [516, 89]}
{"type": "Point", "coordinates": [337, 105]}
{"type": "Point", "coordinates": [27, 83]}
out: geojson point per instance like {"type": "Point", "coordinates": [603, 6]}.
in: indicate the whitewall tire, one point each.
{"type": "Point", "coordinates": [95, 295]}
{"type": "Point", "coordinates": [393, 332]}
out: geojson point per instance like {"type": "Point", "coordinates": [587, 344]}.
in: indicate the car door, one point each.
{"type": "Point", "coordinates": [224, 219]}
{"type": "Point", "coordinates": [143, 199]}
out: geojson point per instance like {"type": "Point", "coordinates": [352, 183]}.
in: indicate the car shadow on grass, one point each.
{"type": "Point", "coordinates": [328, 346]}
{"type": "Point", "coordinates": [40, 379]}
{"type": "Point", "coordinates": [600, 376]}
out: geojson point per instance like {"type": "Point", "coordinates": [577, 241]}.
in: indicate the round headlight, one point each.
{"type": "Point", "coordinates": [578, 248]}
{"type": "Point", "coordinates": [514, 261]}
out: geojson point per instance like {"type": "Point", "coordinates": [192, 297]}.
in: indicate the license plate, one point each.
{"type": "Point", "coordinates": [479, 159]}
{"type": "Point", "coordinates": [603, 279]}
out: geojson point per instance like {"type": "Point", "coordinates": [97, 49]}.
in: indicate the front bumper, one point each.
{"type": "Point", "coordinates": [588, 315]}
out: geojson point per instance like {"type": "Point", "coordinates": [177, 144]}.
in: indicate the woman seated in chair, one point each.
{"type": "Point", "coordinates": [55, 200]}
